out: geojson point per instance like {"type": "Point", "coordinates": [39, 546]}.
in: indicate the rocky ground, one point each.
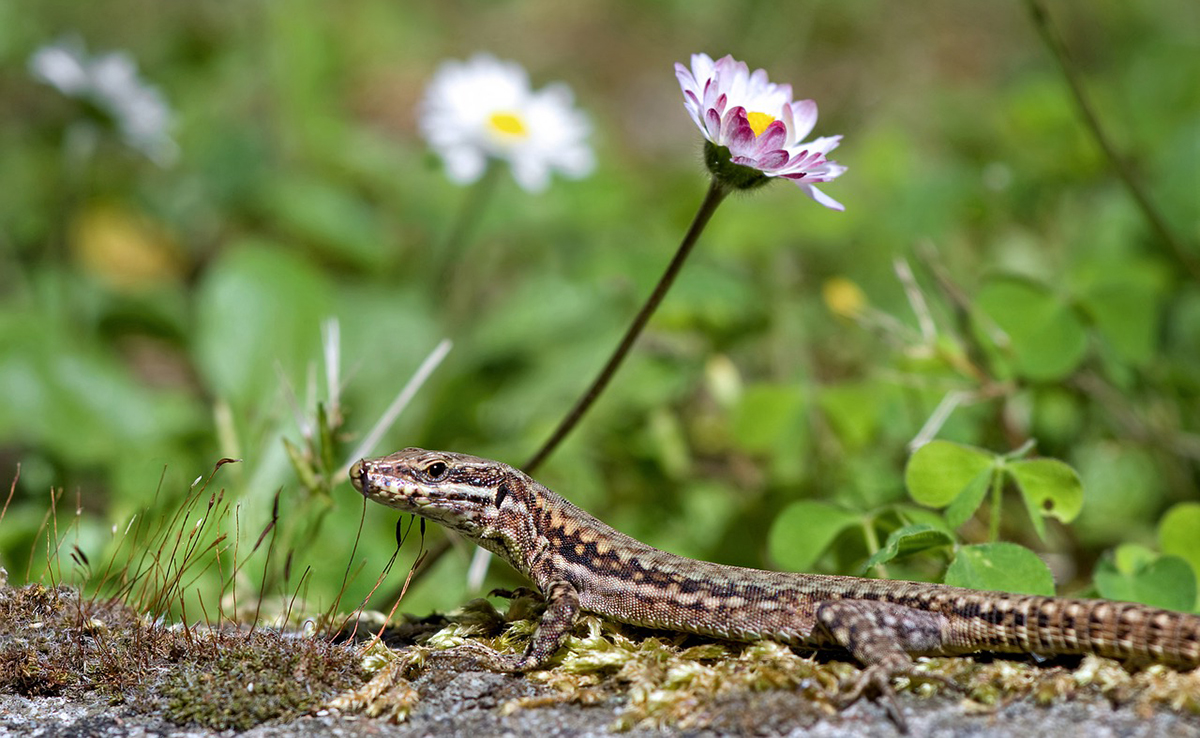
{"type": "Point", "coordinates": [70, 668]}
{"type": "Point", "coordinates": [470, 703]}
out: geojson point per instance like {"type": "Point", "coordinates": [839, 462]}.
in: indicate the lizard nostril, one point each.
{"type": "Point", "coordinates": [356, 475]}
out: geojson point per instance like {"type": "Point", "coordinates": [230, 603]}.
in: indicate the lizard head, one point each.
{"type": "Point", "coordinates": [463, 493]}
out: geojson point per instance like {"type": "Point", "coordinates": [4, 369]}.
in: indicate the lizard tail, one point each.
{"type": "Point", "coordinates": [1048, 625]}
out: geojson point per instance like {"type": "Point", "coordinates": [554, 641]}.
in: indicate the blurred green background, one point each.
{"type": "Point", "coordinates": [153, 318]}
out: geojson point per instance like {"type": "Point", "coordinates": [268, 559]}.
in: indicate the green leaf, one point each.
{"type": "Point", "coordinates": [1058, 415]}
{"type": "Point", "coordinates": [1183, 332]}
{"type": "Point", "coordinates": [1123, 300]}
{"type": "Point", "coordinates": [907, 541]}
{"type": "Point", "coordinates": [1125, 489]}
{"type": "Point", "coordinates": [77, 399]}
{"type": "Point", "coordinates": [327, 216]}
{"type": "Point", "coordinates": [852, 411]}
{"type": "Point", "coordinates": [1002, 567]}
{"type": "Point", "coordinates": [1050, 489]}
{"type": "Point", "coordinates": [766, 414]}
{"type": "Point", "coordinates": [940, 471]}
{"type": "Point", "coordinates": [301, 465]}
{"type": "Point", "coordinates": [1132, 557]}
{"type": "Point", "coordinates": [1045, 335]}
{"type": "Point", "coordinates": [1133, 574]}
{"type": "Point", "coordinates": [803, 530]}
{"type": "Point", "coordinates": [711, 297]}
{"type": "Point", "coordinates": [909, 514]}
{"type": "Point", "coordinates": [258, 311]}
{"type": "Point", "coordinates": [1177, 533]}
{"type": "Point", "coordinates": [666, 439]}
{"type": "Point", "coordinates": [968, 501]}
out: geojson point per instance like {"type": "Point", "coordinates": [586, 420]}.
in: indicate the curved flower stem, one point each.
{"type": "Point", "coordinates": [1054, 42]}
{"type": "Point", "coordinates": [716, 193]}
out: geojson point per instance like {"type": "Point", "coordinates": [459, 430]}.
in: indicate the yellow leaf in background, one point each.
{"type": "Point", "coordinates": [124, 248]}
{"type": "Point", "coordinates": [843, 297]}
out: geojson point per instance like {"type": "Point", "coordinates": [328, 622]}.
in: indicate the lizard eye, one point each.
{"type": "Point", "coordinates": [436, 470]}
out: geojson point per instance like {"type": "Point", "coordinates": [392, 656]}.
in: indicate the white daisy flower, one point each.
{"type": "Point", "coordinates": [484, 109]}
{"type": "Point", "coordinates": [758, 125]}
{"type": "Point", "coordinates": [110, 82]}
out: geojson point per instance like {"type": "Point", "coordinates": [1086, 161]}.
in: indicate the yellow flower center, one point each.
{"type": "Point", "coordinates": [759, 122]}
{"type": "Point", "coordinates": [508, 124]}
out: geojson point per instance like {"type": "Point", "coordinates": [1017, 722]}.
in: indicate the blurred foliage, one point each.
{"type": "Point", "coordinates": [991, 283]}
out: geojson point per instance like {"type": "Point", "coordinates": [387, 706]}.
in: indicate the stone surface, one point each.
{"type": "Point", "coordinates": [469, 703]}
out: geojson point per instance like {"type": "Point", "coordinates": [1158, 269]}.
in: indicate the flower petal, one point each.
{"type": "Point", "coordinates": [804, 117]}
{"type": "Point", "coordinates": [463, 165]}
{"type": "Point", "coordinates": [541, 131]}
{"type": "Point", "coordinates": [772, 160]}
{"type": "Point", "coordinates": [720, 96]}
{"type": "Point", "coordinates": [821, 197]}
{"type": "Point", "coordinates": [774, 136]}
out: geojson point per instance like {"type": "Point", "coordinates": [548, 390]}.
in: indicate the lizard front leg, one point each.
{"type": "Point", "coordinates": [390, 692]}
{"type": "Point", "coordinates": [562, 609]}
{"type": "Point", "coordinates": [881, 635]}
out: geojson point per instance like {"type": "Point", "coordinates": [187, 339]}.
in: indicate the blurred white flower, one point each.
{"type": "Point", "coordinates": [110, 82]}
{"type": "Point", "coordinates": [759, 124]}
{"type": "Point", "coordinates": [484, 109]}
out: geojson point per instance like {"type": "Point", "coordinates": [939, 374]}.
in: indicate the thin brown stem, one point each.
{"type": "Point", "coordinates": [1054, 42]}
{"type": "Point", "coordinates": [716, 193]}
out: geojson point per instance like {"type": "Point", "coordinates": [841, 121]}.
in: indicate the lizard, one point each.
{"type": "Point", "coordinates": [580, 564]}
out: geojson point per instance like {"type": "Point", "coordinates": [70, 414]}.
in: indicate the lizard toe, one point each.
{"type": "Point", "coordinates": [877, 681]}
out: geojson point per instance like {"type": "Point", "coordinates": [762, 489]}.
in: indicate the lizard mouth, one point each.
{"type": "Point", "coordinates": [400, 498]}
{"type": "Point", "coordinates": [358, 477]}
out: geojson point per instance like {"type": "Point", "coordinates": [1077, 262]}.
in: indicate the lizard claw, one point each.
{"type": "Point", "coordinates": [512, 594]}
{"type": "Point", "coordinates": [878, 680]}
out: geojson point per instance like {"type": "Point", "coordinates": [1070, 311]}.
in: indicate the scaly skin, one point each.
{"type": "Point", "coordinates": [583, 565]}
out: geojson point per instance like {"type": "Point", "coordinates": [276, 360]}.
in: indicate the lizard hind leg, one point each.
{"type": "Point", "coordinates": [881, 635]}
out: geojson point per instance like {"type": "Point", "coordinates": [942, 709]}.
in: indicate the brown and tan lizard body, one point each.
{"type": "Point", "coordinates": [583, 565]}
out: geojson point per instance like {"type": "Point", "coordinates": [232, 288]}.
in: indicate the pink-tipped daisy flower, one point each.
{"type": "Point", "coordinates": [754, 128]}
{"type": "Point", "coordinates": [484, 109]}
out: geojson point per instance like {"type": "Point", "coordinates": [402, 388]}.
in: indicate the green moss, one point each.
{"type": "Point", "coordinates": [670, 680]}
{"type": "Point", "coordinates": [238, 682]}
{"type": "Point", "coordinates": [52, 642]}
